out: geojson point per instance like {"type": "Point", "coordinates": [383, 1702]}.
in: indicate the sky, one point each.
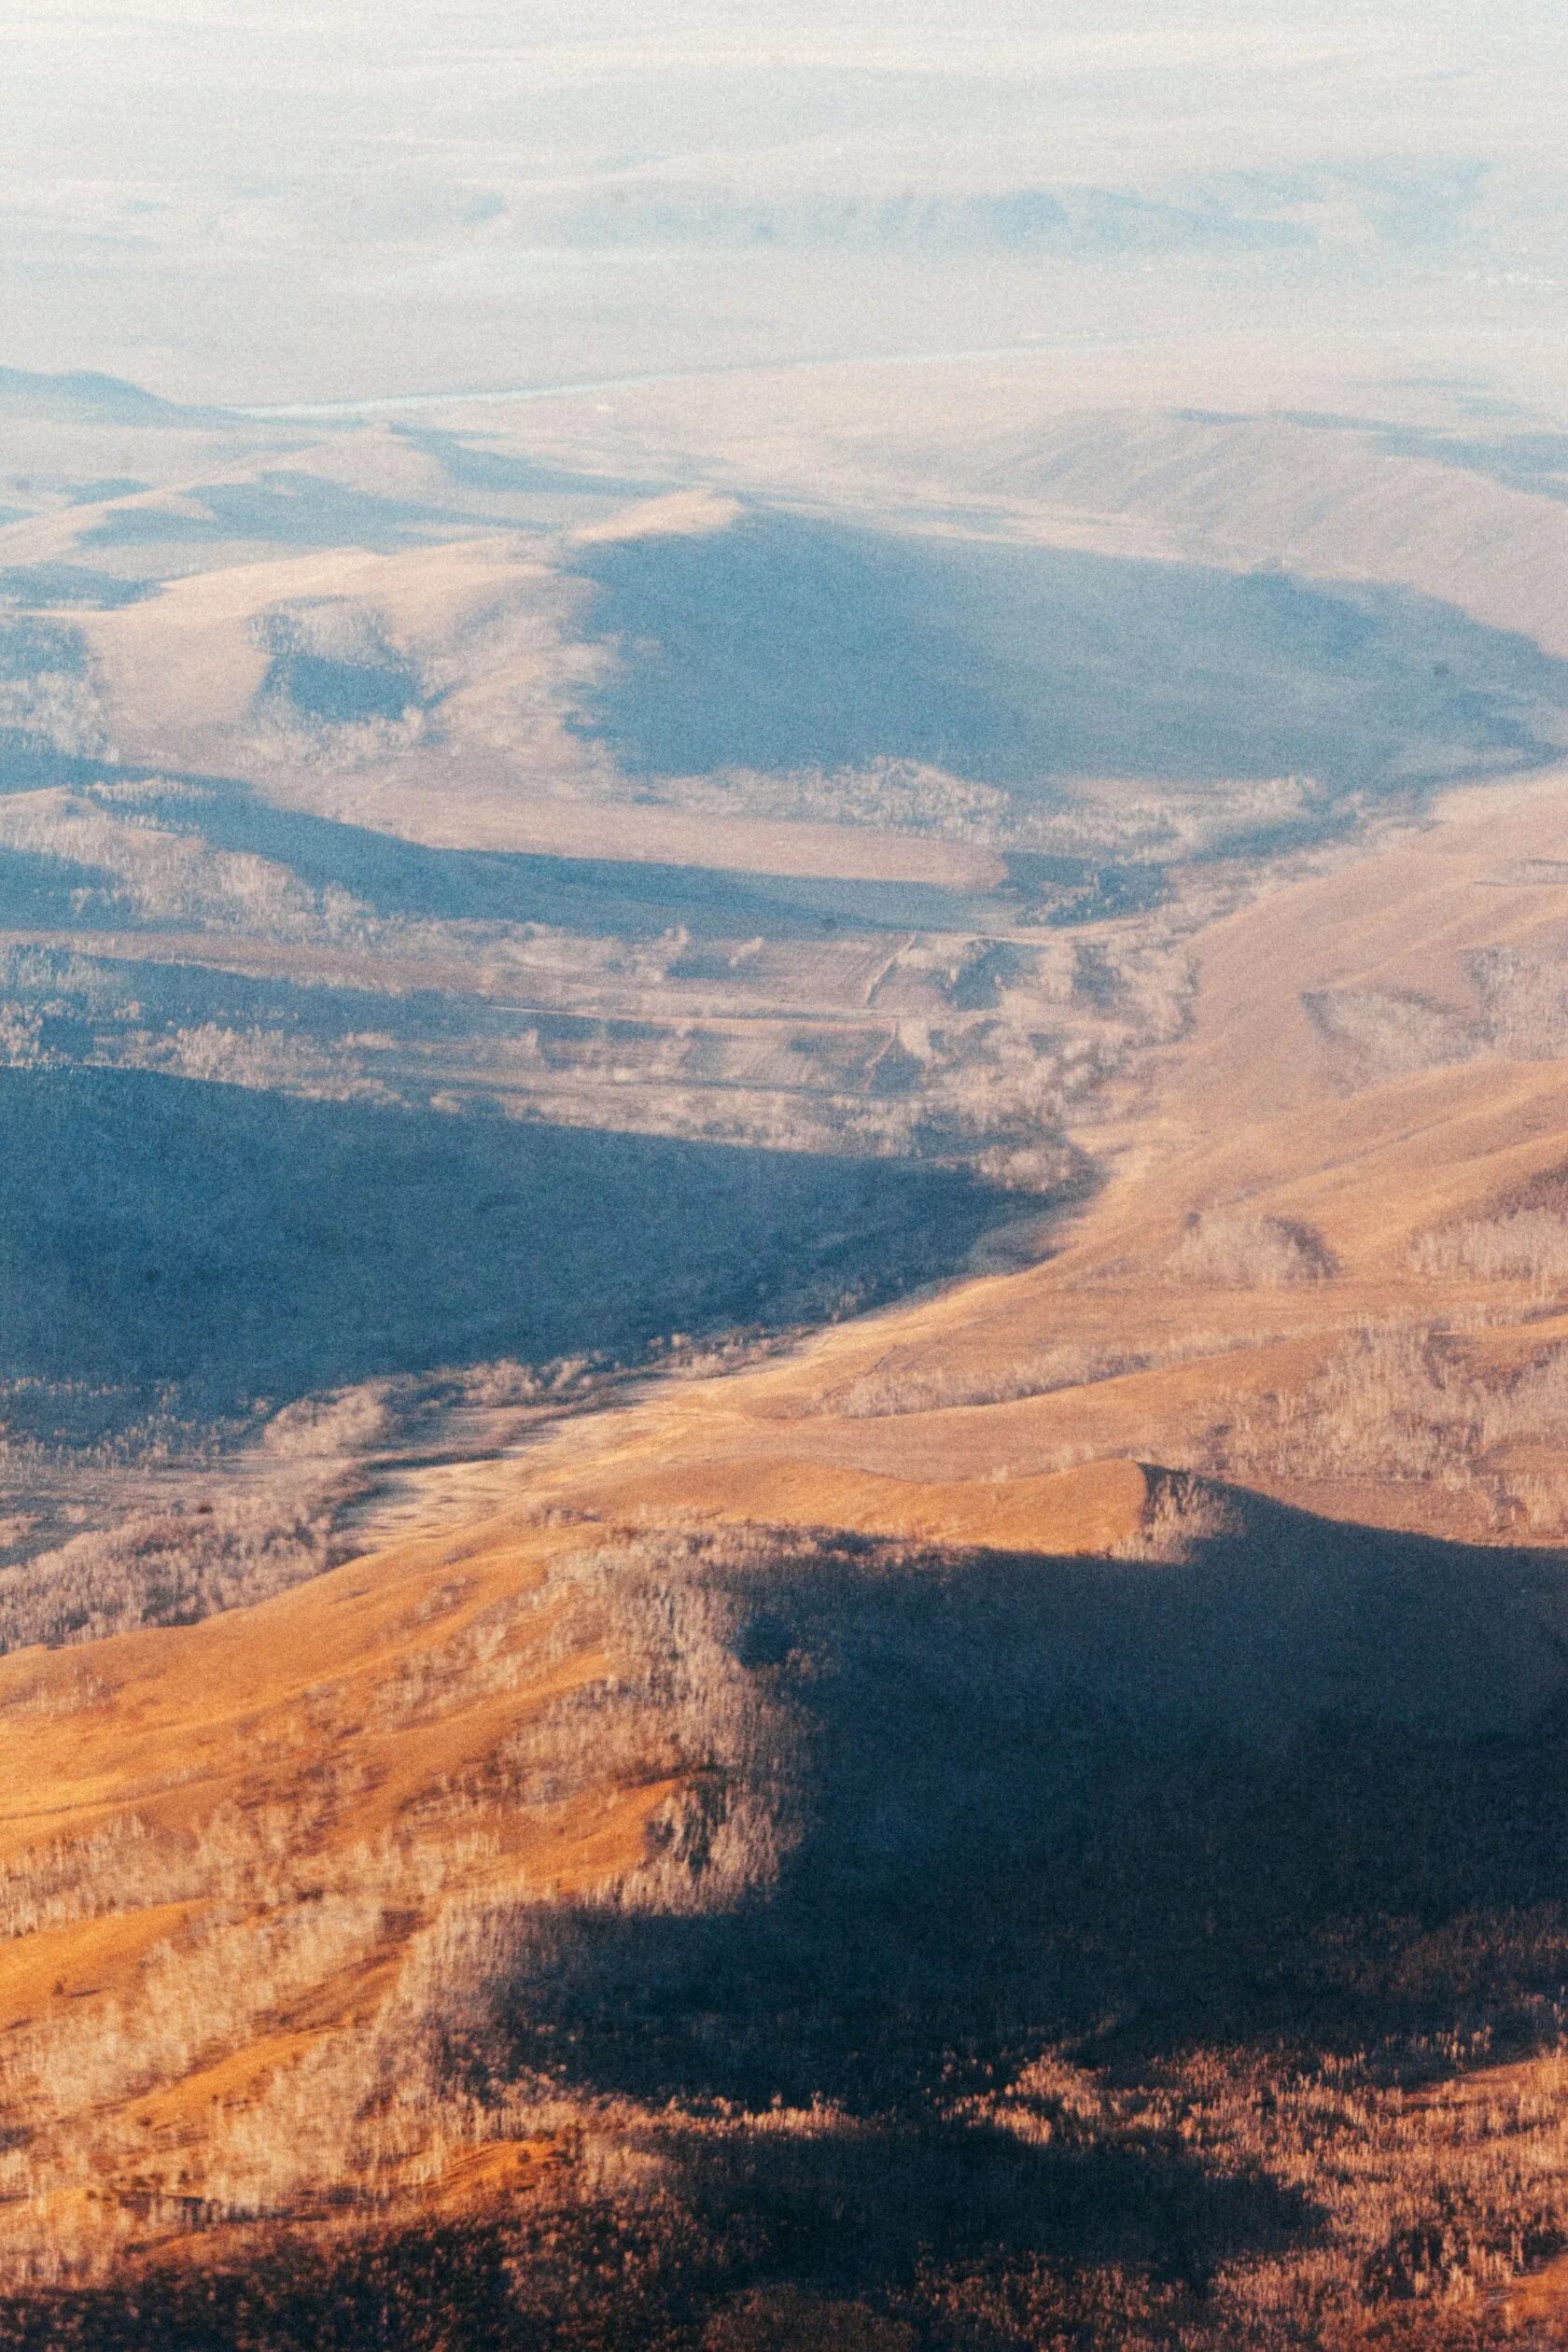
{"type": "Point", "coordinates": [286, 203]}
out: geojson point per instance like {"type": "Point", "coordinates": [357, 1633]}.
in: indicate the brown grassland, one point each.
{"type": "Point", "coordinates": [1032, 1820]}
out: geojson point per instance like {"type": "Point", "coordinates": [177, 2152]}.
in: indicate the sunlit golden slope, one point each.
{"type": "Point", "coordinates": [1347, 503]}
{"type": "Point", "coordinates": [1265, 1111]}
{"type": "Point", "coordinates": [271, 1808]}
{"type": "Point", "coordinates": [277, 1811]}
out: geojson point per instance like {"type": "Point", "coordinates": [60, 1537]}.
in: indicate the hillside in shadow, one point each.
{"type": "Point", "coordinates": [785, 644]}
{"type": "Point", "coordinates": [1121, 1803]}
{"type": "Point", "coordinates": [1040, 1952]}
{"type": "Point", "coordinates": [154, 1229]}
{"type": "Point", "coordinates": [1057, 1835]}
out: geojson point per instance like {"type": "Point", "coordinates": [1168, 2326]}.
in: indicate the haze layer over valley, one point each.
{"type": "Point", "coordinates": [783, 1181]}
{"type": "Point", "coordinates": [271, 203]}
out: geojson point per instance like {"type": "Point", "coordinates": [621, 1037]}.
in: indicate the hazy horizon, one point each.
{"type": "Point", "coordinates": [263, 204]}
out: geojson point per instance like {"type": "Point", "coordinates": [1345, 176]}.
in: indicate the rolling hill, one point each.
{"type": "Point", "coordinates": [1031, 1814]}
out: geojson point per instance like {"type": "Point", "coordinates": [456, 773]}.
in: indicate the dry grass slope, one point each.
{"type": "Point", "coordinates": [861, 1859]}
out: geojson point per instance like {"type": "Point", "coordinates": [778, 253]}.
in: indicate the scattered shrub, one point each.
{"type": "Point", "coordinates": [1225, 1246]}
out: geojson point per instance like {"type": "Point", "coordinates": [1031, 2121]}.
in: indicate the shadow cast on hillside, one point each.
{"type": "Point", "coordinates": [783, 643]}
{"type": "Point", "coordinates": [1282, 1788]}
{"type": "Point", "coordinates": [605, 2274]}
{"type": "Point", "coordinates": [1014, 1832]}
{"type": "Point", "coordinates": [849, 2210]}
{"type": "Point", "coordinates": [159, 1229]}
